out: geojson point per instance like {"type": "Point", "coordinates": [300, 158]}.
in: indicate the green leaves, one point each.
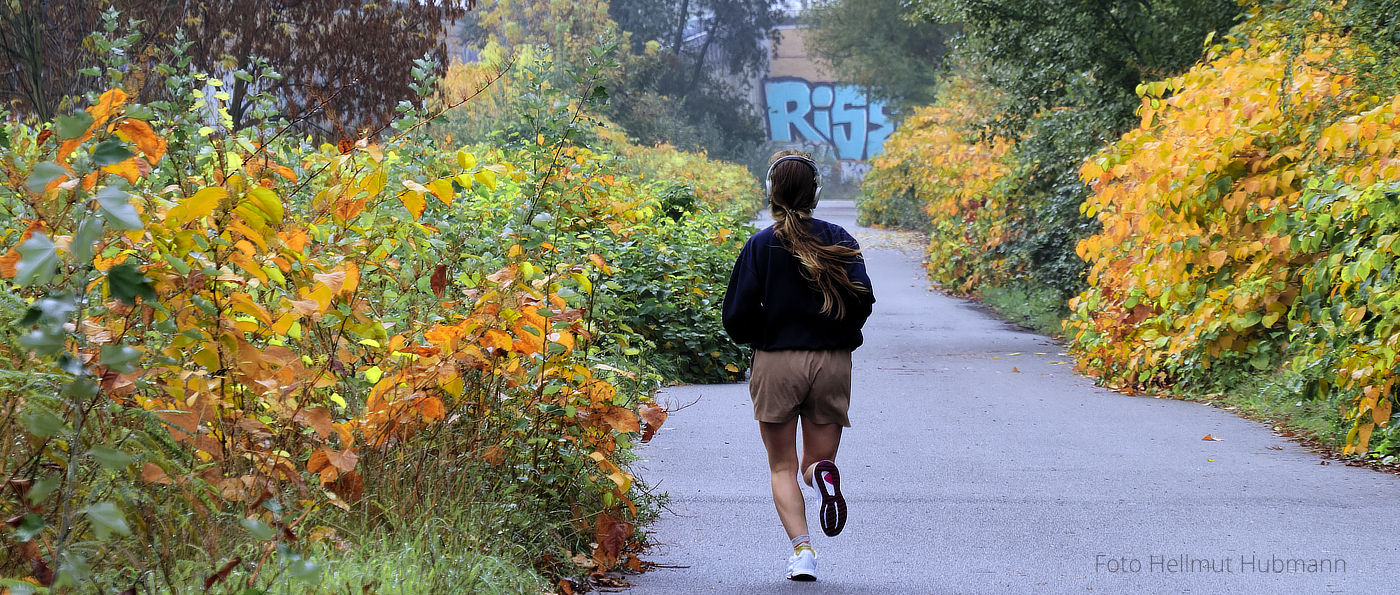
{"type": "Point", "coordinates": [110, 152]}
{"type": "Point", "coordinates": [116, 207]}
{"type": "Point", "coordinates": [42, 487]}
{"type": "Point", "coordinates": [73, 126]}
{"type": "Point", "coordinates": [299, 567]}
{"type": "Point", "coordinates": [44, 173]}
{"type": "Point", "coordinates": [40, 422]}
{"type": "Point", "coordinates": [107, 520]}
{"type": "Point", "coordinates": [259, 530]}
{"type": "Point", "coordinates": [38, 258]}
{"type": "Point", "coordinates": [29, 527]}
{"type": "Point", "coordinates": [110, 458]}
{"type": "Point", "coordinates": [85, 239]}
{"type": "Point", "coordinates": [126, 283]}
{"type": "Point", "coordinates": [120, 357]}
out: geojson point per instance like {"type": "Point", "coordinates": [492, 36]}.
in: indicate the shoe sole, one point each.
{"type": "Point", "coordinates": [802, 578]}
{"type": "Point", "coordinates": [833, 510]}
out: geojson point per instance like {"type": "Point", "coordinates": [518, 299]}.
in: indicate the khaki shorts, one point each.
{"type": "Point", "coordinates": [813, 384]}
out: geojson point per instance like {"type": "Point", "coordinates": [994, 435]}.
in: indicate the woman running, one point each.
{"type": "Point", "coordinates": [799, 294]}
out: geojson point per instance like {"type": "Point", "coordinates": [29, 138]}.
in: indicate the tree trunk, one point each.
{"type": "Point", "coordinates": [700, 59]}
{"type": "Point", "coordinates": [680, 28]}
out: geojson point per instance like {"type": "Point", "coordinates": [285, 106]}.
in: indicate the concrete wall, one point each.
{"type": "Point", "coordinates": [806, 107]}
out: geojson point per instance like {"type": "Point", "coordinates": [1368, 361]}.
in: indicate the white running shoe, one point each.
{"type": "Point", "coordinates": [802, 566]}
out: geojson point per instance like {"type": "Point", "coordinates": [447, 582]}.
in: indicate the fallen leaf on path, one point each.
{"type": "Point", "coordinates": [612, 534]}
{"type": "Point", "coordinates": [583, 561]}
{"type": "Point", "coordinates": [1211, 438]}
{"type": "Point", "coordinates": [1016, 353]}
{"type": "Point", "coordinates": [1015, 370]}
{"type": "Point", "coordinates": [601, 579]}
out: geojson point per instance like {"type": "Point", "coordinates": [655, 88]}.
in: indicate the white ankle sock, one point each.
{"type": "Point", "coordinates": [801, 541]}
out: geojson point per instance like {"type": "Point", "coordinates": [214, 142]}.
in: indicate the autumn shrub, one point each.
{"type": "Point", "coordinates": [238, 354]}
{"type": "Point", "coordinates": [937, 162]}
{"type": "Point", "coordinates": [661, 308]}
{"type": "Point", "coordinates": [720, 185]}
{"type": "Point", "coordinates": [1246, 229]}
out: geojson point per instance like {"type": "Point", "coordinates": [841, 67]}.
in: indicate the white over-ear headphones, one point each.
{"type": "Point", "coordinates": [816, 174]}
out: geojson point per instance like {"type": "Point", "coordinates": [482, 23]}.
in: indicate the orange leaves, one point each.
{"type": "Point", "coordinates": [444, 335]}
{"type": "Point", "coordinates": [953, 174]}
{"type": "Point", "coordinates": [387, 417]}
{"type": "Point", "coordinates": [497, 339]}
{"type": "Point", "coordinates": [129, 170]}
{"type": "Point", "coordinates": [318, 419]}
{"type": "Point", "coordinates": [597, 260]}
{"type": "Point", "coordinates": [653, 416]}
{"type": "Point", "coordinates": [1190, 205]}
{"type": "Point", "coordinates": [276, 372]}
{"type": "Point", "coordinates": [141, 134]}
{"type": "Point", "coordinates": [1247, 216]}
{"type": "Point", "coordinates": [438, 282]}
{"type": "Point", "coordinates": [621, 419]}
{"type": "Point", "coordinates": [611, 535]}
{"type": "Point", "coordinates": [106, 105]}
{"type": "Point", "coordinates": [11, 258]}
{"type": "Point", "coordinates": [348, 209]}
{"type": "Point", "coordinates": [331, 463]}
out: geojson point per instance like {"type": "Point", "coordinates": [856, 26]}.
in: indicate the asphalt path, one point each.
{"type": "Point", "coordinates": [979, 462]}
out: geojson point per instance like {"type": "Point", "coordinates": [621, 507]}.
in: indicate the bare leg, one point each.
{"type": "Point", "coordinates": [819, 443]}
{"type": "Point", "coordinates": [780, 439]}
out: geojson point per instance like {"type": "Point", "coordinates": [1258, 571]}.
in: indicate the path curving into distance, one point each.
{"type": "Point", "coordinates": [979, 462]}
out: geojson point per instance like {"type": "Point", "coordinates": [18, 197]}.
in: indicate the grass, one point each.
{"type": "Point", "coordinates": [1039, 309]}
{"type": "Point", "coordinates": [440, 557]}
{"type": "Point", "coordinates": [1316, 423]}
{"type": "Point", "coordinates": [1269, 400]}
{"type": "Point", "coordinates": [443, 555]}
{"type": "Point", "coordinates": [1273, 400]}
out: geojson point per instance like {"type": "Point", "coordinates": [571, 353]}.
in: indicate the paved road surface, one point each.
{"type": "Point", "coordinates": [964, 475]}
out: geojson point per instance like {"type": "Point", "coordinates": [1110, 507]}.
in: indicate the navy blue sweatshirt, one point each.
{"type": "Point", "coordinates": [770, 306]}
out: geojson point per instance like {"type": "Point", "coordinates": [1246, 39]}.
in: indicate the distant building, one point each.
{"type": "Point", "coordinates": [806, 105]}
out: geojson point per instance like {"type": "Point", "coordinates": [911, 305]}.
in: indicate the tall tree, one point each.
{"type": "Point", "coordinates": [344, 63]}
{"type": "Point", "coordinates": [725, 36]}
{"type": "Point", "coordinates": [42, 47]}
{"type": "Point", "coordinates": [351, 60]}
{"type": "Point", "coordinates": [1066, 72]}
{"type": "Point", "coordinates": [687, 60]}
{"type": "Point", "coordinates": [1049, 53]}
{"type": "Point", "coordinates": [874, 44]}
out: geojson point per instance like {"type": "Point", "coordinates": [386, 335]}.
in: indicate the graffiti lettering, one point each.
{"type": "Point", "coordinates": [837, 115]}
{"type": "Point", "coordinates": [852, 171]}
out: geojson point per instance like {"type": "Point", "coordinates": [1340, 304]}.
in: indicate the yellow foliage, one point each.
{"type": "Point", "coordinates": [1217, 213]}
{"type": "Point", "coordinates": [952, 174]}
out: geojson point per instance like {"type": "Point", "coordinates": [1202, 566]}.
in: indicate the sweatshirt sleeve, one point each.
{"type": "Point", "coordinates": [743, 300]}
{"type": "Point", "coordinates": [856, 272]}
